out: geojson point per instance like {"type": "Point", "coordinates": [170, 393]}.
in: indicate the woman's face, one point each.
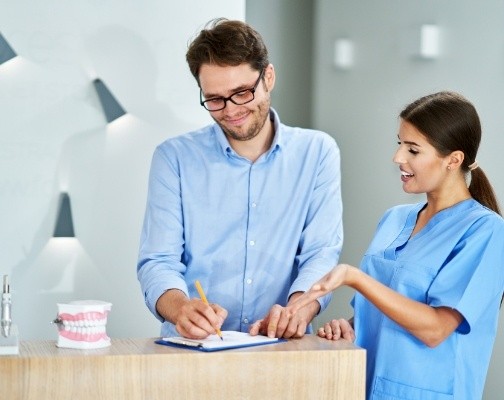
{"type": "Point", "coordinates": [423, 170]}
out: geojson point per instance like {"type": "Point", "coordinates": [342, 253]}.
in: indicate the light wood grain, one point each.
{"type": "Point", "coordinates": [308, 368]}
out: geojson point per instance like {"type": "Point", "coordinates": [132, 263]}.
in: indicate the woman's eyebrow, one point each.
{"type": "Point", "coordinates": [408, 142]}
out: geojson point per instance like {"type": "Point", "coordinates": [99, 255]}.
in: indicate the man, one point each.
{"type": "Point", "coordinates": [248, 206]}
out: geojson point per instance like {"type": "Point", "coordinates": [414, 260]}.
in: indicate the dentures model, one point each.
{"type": "Point", "coordinates": [81, 324]}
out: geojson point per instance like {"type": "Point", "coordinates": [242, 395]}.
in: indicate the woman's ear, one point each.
{"type": "Point", "coordinates": [455, 159]}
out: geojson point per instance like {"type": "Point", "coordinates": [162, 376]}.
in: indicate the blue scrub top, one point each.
{"type": "Point", "coordinates": [457, 261]}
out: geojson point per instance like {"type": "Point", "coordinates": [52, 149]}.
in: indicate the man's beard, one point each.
{"type": "Point", "coordinates": [260, 116]}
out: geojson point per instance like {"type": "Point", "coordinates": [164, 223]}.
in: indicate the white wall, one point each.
{"type": "Point", "coordinates": [54, 137]}
{"type": "Point", "coordinates": [287, 28]}
{"type": "Point", "coordinates": [360, 106]}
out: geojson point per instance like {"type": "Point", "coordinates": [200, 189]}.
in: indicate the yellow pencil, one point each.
{"type": "Point", "coordinates": [203, 297]}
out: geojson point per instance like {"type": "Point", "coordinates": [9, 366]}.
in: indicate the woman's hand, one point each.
{"type": "Point", "coordinates": [337, 329]}
{"type": "Point", "coordinates": [332, 280]}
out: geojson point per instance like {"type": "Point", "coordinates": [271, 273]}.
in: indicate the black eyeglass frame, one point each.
{"type": "Point", "coordinates": [230, 98]}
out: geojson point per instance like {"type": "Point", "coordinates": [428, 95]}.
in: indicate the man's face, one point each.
{"type": "Point", "coordinates": [239, 122]}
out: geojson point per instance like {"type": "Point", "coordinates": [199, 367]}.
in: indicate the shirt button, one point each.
{"type": "Point", "coordinates": [252, 242]}
{"type": "Point", "coordinates": [245, 320]}
{"type": "Point", "coordinates": [249, 281]}
{"type": "Point", "coordinates": [254, 205]}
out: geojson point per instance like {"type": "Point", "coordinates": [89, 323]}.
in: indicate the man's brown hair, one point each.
{"type": "Point", "coordinates": [227, 43]}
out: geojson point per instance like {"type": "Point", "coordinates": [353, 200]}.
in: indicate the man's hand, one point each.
{"type": "Point", "coordinates": [282, 323]}
{"type": "Point", "coordinates": [193, 318]}
{"type": "Point", "coordinates": [197, 320]}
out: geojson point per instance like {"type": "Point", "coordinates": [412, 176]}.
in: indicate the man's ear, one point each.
{"type": "Point", "coordinates": [269, 77]}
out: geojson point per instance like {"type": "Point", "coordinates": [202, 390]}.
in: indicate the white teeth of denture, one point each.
{"type": "Point", "coordinates": [85, 323]}
{"type": "Point", "coordinates": [406, 174]}
{"type": "Point", "coordinates": [84, 329]}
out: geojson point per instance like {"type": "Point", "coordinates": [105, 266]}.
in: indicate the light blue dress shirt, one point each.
{"type": "Point", "coordinates": [251, 233]}
{"type": "Point", "coordinates": [455, 261]}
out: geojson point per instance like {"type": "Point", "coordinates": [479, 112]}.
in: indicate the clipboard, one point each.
{"type": "Point", "coordinates": [231, 340]}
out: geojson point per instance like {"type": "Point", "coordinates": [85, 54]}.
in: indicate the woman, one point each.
{"type": "Point", "coordinates": [430, 285]}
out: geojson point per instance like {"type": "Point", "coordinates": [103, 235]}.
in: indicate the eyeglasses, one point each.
{"type": "Point", "coordinates": [239, 98]}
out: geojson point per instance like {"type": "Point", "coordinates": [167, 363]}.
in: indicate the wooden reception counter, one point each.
{"type": "Point", "coordinates": [308, 368]}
